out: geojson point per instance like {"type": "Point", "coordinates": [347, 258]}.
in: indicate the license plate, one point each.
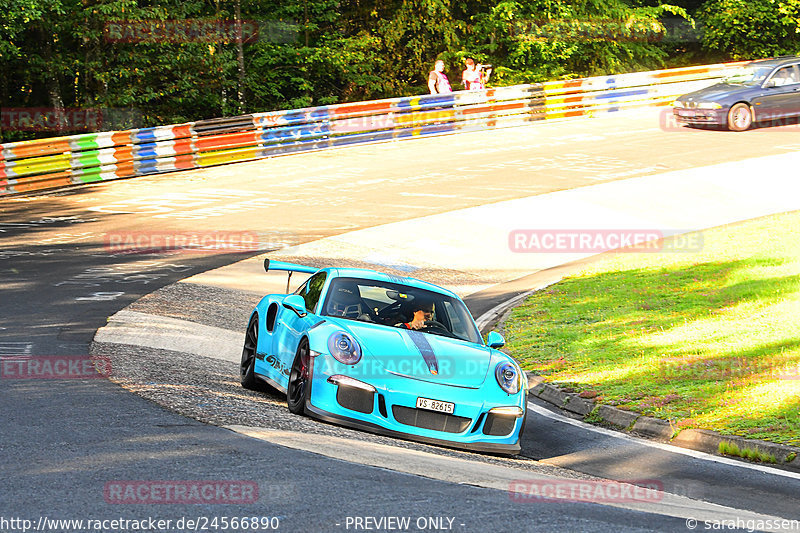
{"type": "Point", "coordinates": [435, 405]}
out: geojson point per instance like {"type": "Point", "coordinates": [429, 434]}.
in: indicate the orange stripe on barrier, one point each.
{"type": "Point", "coordinates": [185, 162]}
{"type": "Point", "coordinates": [121, 138]}
{"type": "Point", "coordinates": [229, 140]}
{"type": "Point", "coordinates": [184, 130]}
{"type": "Point", "coordinates": [44, 181]}
{"type": "Point", "coordinates": [682, 72]}
{"type": "Point", "coordinates": [493, 108]}
{"type": "Point", "coordinates": [123, 153]}
{"type": "Point", "coordinates": [56, 145]}
{"type": "Point", "coordinates": [361, 108]}
{"type": "Point", "coordinates": [183, 146]}
{"type": "Point", "coordinates": [125, 169]}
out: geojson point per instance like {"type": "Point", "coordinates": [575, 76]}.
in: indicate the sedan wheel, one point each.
{"type": "Point", "coordinates": [740, 117]}
{"type": "Point", "coordinates": [297, 391]}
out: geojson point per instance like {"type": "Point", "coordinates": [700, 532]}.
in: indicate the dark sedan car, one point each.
{"type": "Point", "coordinates": [761, 91]}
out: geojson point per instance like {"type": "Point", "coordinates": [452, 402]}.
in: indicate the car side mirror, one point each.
{"type": "Point", "coordinates": [769, 84]}
{"type": "Point", "coordinates": [495, 340]}
{"type": "Point", "coordinates": [296, 303]}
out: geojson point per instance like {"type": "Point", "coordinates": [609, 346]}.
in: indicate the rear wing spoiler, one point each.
{"type": "Point", "coordinates": [288, 267]}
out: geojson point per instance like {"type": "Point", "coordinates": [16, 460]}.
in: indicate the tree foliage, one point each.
{"type": "Point", "coordinates": [312, 52]}
{"type": "Point", "coordinates": [745, 29]}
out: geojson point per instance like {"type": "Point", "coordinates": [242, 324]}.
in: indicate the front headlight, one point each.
{"type": "Point", "coordinates": [709, 105]}
{"type": "Point", "coordinates": [508, 377]}
{"type": "Point", "coordinates": [677, 103]}
{"type": "Point", "coordinates": [344, 348]}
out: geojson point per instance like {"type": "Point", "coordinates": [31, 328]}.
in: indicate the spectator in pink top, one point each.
{"type": "Point", "coordinates": [437, 80]}
{"type": "Point", "coordinates": [475, 76]}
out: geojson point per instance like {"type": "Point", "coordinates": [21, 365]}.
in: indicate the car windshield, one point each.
{"type": "Point", "coordinates": [750, 75]}
{"type": "Point", "coordinates": [394, 304]}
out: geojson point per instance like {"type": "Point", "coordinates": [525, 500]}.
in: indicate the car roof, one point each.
{"type": "Point", "coordinates": [363, 273]}
{"type": "Point", "coordinates": [775, 62]}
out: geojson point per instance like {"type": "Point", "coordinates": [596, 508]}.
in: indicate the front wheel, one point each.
{"type": "Point", "coordinates": [740, 117]}
{"type": "Point", "coordinates": [297, 390]}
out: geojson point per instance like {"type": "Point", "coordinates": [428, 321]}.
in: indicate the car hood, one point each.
{"type": "Point", "coordinates": [716, 93]}
{"type": "Point", "coordinates": [423, 356]}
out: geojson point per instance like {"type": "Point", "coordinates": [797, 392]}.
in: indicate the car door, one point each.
{"type": "Point", "coordinates": [780, 95]}
{"type": "Point", "coordinates": [291, 327]}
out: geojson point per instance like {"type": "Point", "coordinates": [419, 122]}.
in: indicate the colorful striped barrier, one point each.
{"type": "Point", "coordinates": [52, 163]}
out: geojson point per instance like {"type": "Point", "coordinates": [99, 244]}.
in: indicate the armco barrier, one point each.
{"type": "Point", "coordinates": [51, 163]}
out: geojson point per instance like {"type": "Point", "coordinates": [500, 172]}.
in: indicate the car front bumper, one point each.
{"type": "Point", "coordinates": [390, 409]}
{"type": "Point", "coordinates": [700, 116]}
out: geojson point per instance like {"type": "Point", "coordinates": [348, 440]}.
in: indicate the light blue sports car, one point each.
{"type": "Point", "coordinates": [395, 356]}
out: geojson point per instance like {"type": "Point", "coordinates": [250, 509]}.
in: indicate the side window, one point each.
{"type": "Point", "coordinates": [313, 290]}
{"type": "Point", "coordinates": [785, 76]}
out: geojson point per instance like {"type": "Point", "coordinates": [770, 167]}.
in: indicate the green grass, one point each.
{"type": "Point", "coordinates": [731, 448]}
{"type": "Point", "coordinates": [708, 339]}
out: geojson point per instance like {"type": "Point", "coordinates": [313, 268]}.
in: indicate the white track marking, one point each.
{"type": "Point", "coordinates": [478, 473]}
{"type": "Point", "coordinates": [661, 446]}
{"type": "Point", "coordinates": [164, 333]}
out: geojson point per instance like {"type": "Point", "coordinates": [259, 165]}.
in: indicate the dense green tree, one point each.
{"type": "Point", "coordinates": [750, 29]}
{"type": "Point", "coordinates": [83, 54]}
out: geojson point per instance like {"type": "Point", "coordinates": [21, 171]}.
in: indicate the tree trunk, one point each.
{"type": "Point", "coordinates": [51, 82]}
{"type": "Point", "coordinates": [240, 57]}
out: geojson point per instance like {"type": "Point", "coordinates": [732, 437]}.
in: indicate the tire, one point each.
{"type": "Point", "coordinates": [299, 386]}
{"type": "Point", "coordinates": [740, 117]}
{"type": "Point", "coordinates": [247, 368]}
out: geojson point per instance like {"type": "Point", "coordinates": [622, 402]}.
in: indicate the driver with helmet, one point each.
{"type": "Point", "coordinates": [422, 311]}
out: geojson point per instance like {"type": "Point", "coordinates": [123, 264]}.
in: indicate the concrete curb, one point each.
{"type": "Point", "coordinates": [701, 440]}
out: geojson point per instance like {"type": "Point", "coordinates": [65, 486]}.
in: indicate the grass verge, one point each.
{"type": "Point", "coordinates": [709, 339]}
{"type": "Point", "coordinates": [732, 449]}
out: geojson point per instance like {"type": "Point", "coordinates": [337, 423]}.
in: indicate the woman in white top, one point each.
{"type": "Point", "coordinates": [474, 78]}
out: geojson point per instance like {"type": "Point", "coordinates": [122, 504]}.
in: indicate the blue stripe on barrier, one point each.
{"type": "Point", "coordinates": [147, 166]}
{"type": "Point", "coordinates": [145, 151]}
{"type": "Point", "coordinates": [344, 140]}
{"type": "Point", "coordinates": [294, 133]}
{"type": "Point", "coordinates": [321, 113]}
{"type": "Point", "coordinates": [424, 130]}
{"type": "Point", "coordinates": [426, 102]}
{"type": "Point", "coordinates": [280, 149]}
{"type": "Point", "coordinates": [144, 134]}
{"type": "Point", "coordinates": [294, 117]}
{"type": "Point", "coordinates": [622, 94]}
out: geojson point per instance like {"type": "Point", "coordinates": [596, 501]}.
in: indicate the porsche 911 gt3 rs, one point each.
{"type": "Point", "coordinates": [351, 346]}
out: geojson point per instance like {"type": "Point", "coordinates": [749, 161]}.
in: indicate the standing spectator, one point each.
{"type": "Point", "coordinates": [471, 76]}
{"type": "Point", "coordinates": [474, 76]}
{"type": "Point", "coordinates": [437, 79]}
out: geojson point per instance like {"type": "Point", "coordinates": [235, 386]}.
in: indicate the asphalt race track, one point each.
{"type": "Point", "coordinates": [64, 441]}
